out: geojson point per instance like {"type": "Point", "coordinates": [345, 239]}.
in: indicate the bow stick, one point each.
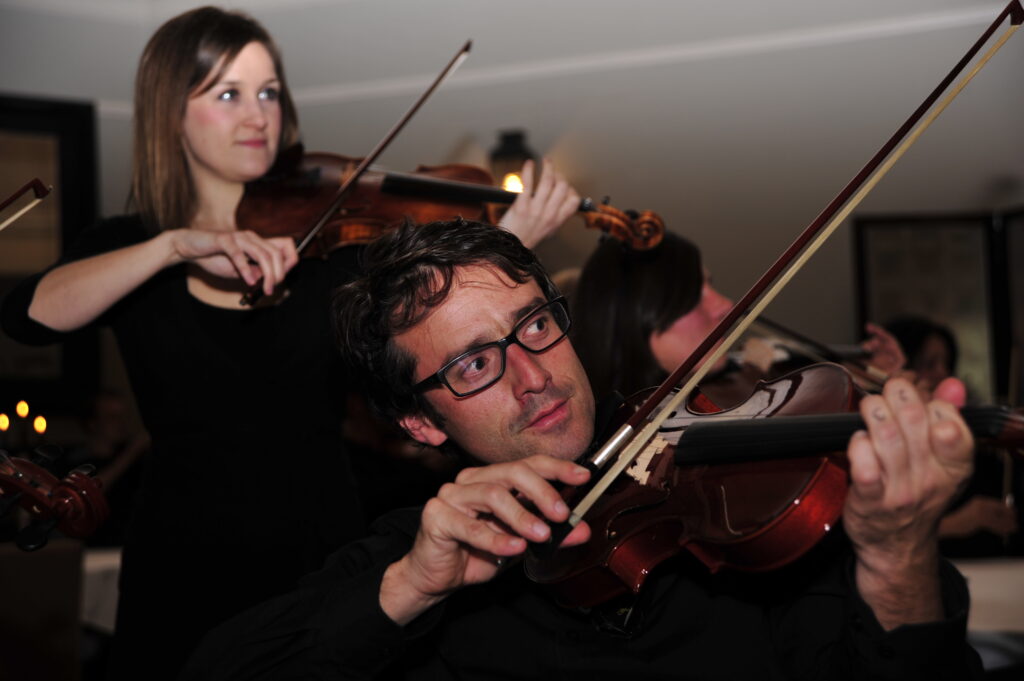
{"type": "Point", "coordinates": [38, 188]}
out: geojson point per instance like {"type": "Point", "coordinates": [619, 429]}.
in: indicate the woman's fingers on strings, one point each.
{"type": "Point", "coordinates": [267, 258]}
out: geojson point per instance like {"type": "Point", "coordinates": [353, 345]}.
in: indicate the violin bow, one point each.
{"type": "Point", "coordinates": [623, 442]}
{"type": "Point", "coordinates": [819, 352]}
{"type": "Point", "coordinates": [255, 293]}
{"type": "Point", "coordinates": [38, 188]}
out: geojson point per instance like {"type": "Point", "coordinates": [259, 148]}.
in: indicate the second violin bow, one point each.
{"type": "Point", "coordinates": [38, 188]}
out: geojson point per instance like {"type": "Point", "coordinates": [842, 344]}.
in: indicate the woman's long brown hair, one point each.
{"type": "Point", "coordinates": [180, 57]}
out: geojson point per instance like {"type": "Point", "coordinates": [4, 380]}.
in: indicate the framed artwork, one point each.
{"type": "Point", "coordinates": [1011, 230]}
{"type": "Point", "coordinates": [54, 142]}
{"type": "Point", "coordinates": [941, 268]}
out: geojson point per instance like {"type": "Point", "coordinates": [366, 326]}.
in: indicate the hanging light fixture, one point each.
{"type": "Point", "coordinates": [507, 159]}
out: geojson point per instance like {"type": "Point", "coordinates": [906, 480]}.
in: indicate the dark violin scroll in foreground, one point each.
{"type": "Point", "coordinates": [74, 505]}
{"type": "Point", "coordinates": [302, 185]}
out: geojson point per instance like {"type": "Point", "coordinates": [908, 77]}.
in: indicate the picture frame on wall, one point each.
{"type": "Point", "coordinates": [55, 142]}
{"type": "Point", "coordinates": [940, 268]}
{"type": "Point", "coordinates": [1010, 229]}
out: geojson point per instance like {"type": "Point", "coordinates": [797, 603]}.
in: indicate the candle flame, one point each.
{"type": "Point", "coordinates": [21, 409]}
{"type": "Point", "coordinates": [5, 422]}
{"type": "Point", "coordinates": [39, 424]}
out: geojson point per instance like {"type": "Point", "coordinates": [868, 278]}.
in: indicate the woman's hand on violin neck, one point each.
{"type": "Point", "coordinates": [904, 471]}
{"type": "Point", "coordinates": [472, 525]}
{"type": "Point", "coordinates": [539, 211]}
{"type": "Point", "coordinates": [236, 254]}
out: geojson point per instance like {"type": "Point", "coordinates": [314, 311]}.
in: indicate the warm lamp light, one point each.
{"type": "Point", "coordinates": [5, 423]}
{"type": "Point", "coordinates": [21, 409]}
{"type": "Point", "coordinates": [508, 157]}
{"type": "Point", "coordinates": [39, 424]}
{"type": "Point", "coordinates": [512, 183]}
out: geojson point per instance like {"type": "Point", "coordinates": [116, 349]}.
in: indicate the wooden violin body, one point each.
{"type": "Point", "coordinates": [751, 516]}
{"type": "Point", "coordinates": [286, 204]}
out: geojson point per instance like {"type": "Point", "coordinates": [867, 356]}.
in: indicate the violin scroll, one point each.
{"type": "Point", "coordinates": [639, 230]}
{"type": "Point", "coordinates": [74, 505]}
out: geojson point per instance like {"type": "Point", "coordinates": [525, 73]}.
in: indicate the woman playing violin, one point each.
{"type": "Point", "coordinates": [638, 314]}
{"type": "Point", "coordinates": [248, 485]}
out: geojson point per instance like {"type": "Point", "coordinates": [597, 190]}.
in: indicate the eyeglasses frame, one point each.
{"type": "Point", "coordinates": [437, 378]}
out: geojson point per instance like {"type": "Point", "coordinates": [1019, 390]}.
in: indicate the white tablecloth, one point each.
{"type": "Point", "coordinates": [997, 593]}
{"type": "Point", "coordinates": [100, 570]}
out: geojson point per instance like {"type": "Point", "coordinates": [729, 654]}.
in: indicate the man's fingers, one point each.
{"type": "Point", "coordinates": [951, 390]}
{"type": "Point", "coordinates": [949, 436]}
{"type": "Point", "coordinates": [531, 478]}
{"type": "Point", "coordinates": [865, 469]}
{"type": "Point", "coordinates": [443, 523]}
{"type": "Point", "coordinates": [497, 507]}
{"type": "Point", "coordinates": [886, 438]}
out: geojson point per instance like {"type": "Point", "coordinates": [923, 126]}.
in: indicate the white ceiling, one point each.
{"type": "Point", "coordinates": [736, 121]}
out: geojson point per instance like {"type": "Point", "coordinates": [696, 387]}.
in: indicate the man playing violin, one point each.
{"type": "Point", "coordinates": [460, 336]}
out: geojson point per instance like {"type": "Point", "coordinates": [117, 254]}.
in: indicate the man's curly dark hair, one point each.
{"type": "Point", "coordinates": [407, 273]}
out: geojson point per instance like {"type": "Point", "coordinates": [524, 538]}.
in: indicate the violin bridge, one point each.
{"type": "Point", "coordinates": [639, 471]}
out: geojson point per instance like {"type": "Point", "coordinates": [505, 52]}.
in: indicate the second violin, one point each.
{"type": "Point", "coordinates": [302, 186]}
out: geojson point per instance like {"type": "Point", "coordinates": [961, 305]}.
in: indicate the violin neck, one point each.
{"type": "Point", "coordinates": [411, 184]}
{"type": "Point", "coordinates": [722, 440]}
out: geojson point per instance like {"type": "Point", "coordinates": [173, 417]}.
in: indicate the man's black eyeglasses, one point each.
{"type": "Point", "coordinates": [482, 367]}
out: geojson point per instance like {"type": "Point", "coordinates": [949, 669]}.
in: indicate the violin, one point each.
{"type": "Point", "coordinates": [302, 185]}
{"type": "Point", "coordinates": [774, 350]}
{"type": "Point", "coordinates": [74, 505]}
{"type": "Point", "coordinates": [649, 499]}
{"type": "Point", "coordinates": [265, 218]}
{"type": "Point", "coordinates": [701, 486]}
{"type": "Point", "coordinates": [800, 348]}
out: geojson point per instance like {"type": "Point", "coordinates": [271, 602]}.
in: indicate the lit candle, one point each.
{"type": "Point", "coordinates": [39, 425]}
{"type": "Point", "coordinates": [5, 424]}
{"type": "Point", "coordinates": [20, 439]}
